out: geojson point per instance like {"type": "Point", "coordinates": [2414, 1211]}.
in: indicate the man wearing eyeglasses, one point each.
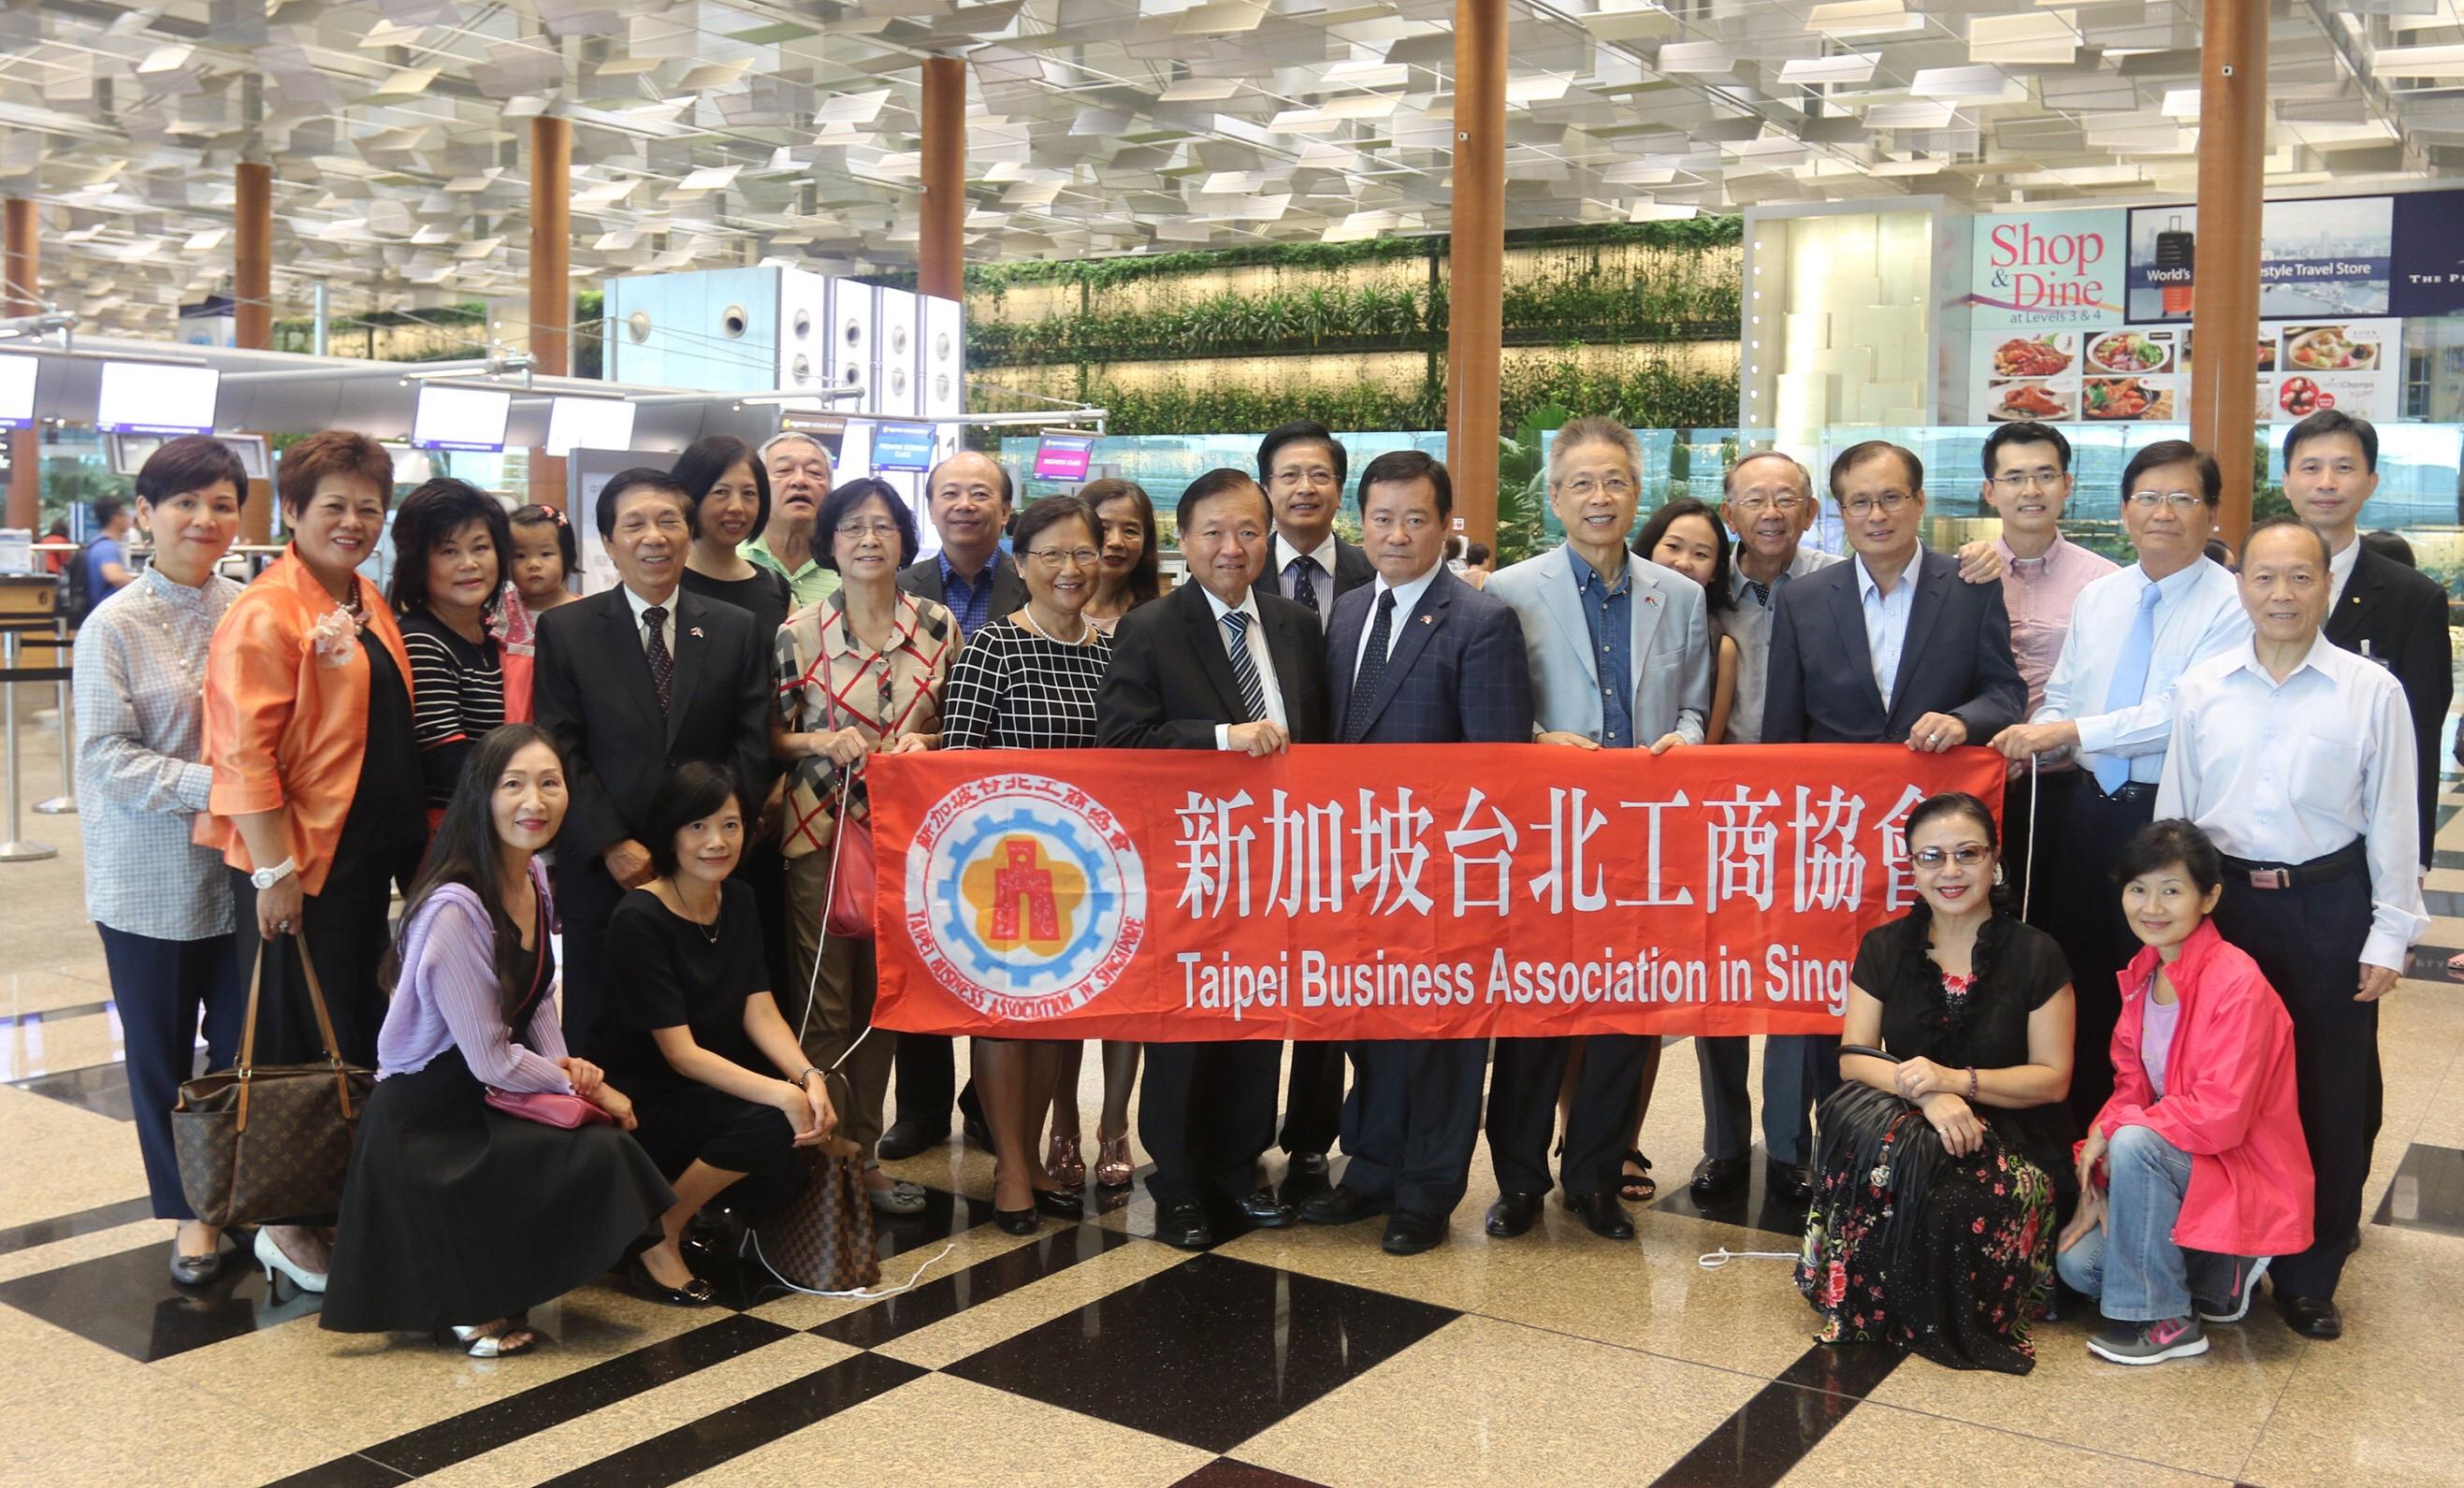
{"type": "Point", "coordinates": [1889, 647]}
{"type": "Point", "coordinates": [2108, 708]}
{"type": "Point", "coordinates": [2028, 484]}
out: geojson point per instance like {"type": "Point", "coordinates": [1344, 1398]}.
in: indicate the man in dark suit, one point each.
{"type": "Point", "coordinates": [630, 683]}
{"type": "Point", "coordinates": [968, 497]}
{"type": "Point", "coordinates": [1217, 665]}
{"type": "Point", "coordinates": [2377, 607]}
{"type": "Point", "coordinates": [1418, 657]}
{"type": "Point", "coordinates": [1302, 467]}
{"type": "Point", "coordinates": [1890, 647]}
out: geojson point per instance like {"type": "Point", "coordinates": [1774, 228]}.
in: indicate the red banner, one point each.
{"type": "Point", "coordinates": [1390, 891]}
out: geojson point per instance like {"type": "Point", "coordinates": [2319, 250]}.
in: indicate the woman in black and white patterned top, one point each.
{"type": "Point", "coordinates": [1028, 681]}
{"type": "Point", "coordinates": [450, 541]}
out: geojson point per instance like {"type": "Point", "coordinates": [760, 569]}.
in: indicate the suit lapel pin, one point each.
{"type": "Point", "coordinates": [1428, 620]}
{"type": "Point", "coordinates": [694, 632]}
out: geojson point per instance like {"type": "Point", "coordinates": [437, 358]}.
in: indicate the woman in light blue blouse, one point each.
{"type": "Point", "coordinates": [163, 904]}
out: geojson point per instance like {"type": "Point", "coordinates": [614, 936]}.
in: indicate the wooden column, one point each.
{"type": "Point", "coordinates": [21, 263]}
{"type": "Point", "coordinates": [551, 299]}
{"type": "Point", "coordinates": [1475, 294]}
{"type": "Point", "coordinates": [252, 309]}
{"type": "Point", "coordinates": [941, 245]}
{"type": "Point", "coordinates": [2232, 188]}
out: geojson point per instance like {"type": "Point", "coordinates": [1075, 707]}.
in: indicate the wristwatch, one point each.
{"type": "Point", "coordinates": [267, 877]}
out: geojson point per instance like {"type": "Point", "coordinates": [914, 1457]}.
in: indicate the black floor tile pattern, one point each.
{"type": "Point", "coordinates": [1228, 1472]}
{"type": "Point", "coordinates": [1210, 1353]}
{"type": "Point", "coordinates": [85, 1221]}
{"type": "Point", "coordinates": [56, 1014]}
{"type": "Point", "coordinates": [1769, 1434]}
{"type": "Point", "coordinates": [102, 1089]}
{"type": "Point", "coordinates": [126, 1301]}
{"type": "Point", "coordinates": [1753, 1205]}
{"type": "Point", "coordinates": [433, 1447]}
{"type": "Point", "coordinates": [754, 1422]}
{"type": "Point", "coordinates": [946, 1297]}
{"type": "Point", "coordinates": [2427, 1192]}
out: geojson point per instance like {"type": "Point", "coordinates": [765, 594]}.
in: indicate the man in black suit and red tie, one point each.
{"type": "Point", "coordinates": [630, 683]}
{"type": "Point", "coordinates": [1217, 665]}
{"type": "Point", "coordinates": [1418, 657]}
{"type": "Point", "coordinates": [1302, 466]}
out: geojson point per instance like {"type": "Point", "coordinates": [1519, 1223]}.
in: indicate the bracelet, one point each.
{"type": "Point", "coordinates": [1971, 1084]}
{"type": "Point", "coordinates": [810, 1073]}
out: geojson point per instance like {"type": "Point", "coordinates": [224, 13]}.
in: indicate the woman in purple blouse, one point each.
{"type": "Point", "coordinates": [454, 1208]}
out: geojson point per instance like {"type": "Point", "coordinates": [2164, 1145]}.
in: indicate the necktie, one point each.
{"type": "Point", "coordinates": [1244, 669]}
{"type": "Point", "coordinates": [1373, 668]}
{"type": "Point", "coordinates": [1760, 590]}
{"type": "Point", "coordinates": [1300, 582]}
{"type": "Point", "coordinates": [2129, 684]}
{"type": "Point", "coordinates": [662, 666]}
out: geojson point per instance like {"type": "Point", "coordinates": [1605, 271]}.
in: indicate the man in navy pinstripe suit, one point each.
{"type": "Point", "coordinates": [1418, 657]}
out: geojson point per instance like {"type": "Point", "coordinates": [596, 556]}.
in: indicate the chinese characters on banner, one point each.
{"type": "Point", "coordinates": [1390, 892]}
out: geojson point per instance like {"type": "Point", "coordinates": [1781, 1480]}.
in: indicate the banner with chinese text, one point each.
{"type": "Point", "coordinates": [1395, 891]}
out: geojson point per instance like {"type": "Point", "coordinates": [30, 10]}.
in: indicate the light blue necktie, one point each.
{"type": "Point", "coordinates": [2129, 684]}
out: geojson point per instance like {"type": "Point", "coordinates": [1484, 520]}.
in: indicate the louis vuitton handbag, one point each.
{"type": "Point", "coordinates": [258, 1144]}
{"type": "Point", "coordinates": [822, 1240]}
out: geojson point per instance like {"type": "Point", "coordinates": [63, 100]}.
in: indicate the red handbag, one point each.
{"type": "Point", "coordinates": [852, 883]}
{"type": "Point", "coordinates": [548, 1108]}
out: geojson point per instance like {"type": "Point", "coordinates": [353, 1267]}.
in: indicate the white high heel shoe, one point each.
{"type": "Point", "coordinates": [270, 1256]}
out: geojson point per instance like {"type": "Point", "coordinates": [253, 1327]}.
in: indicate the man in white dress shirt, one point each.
{"type": "Point", "coordinates": [2297, 757]}
{"type": "Point", "coordinates": [2108, 706]}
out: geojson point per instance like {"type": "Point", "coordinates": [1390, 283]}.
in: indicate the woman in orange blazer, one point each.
{"type": "Point", "coordinates": [316, 801]}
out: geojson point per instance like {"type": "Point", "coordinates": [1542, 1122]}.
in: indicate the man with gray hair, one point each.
{"type": "Point", "coordinates": [799, 469]}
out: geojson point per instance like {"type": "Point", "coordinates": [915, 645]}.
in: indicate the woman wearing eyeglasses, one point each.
{"type": "Point", "coordinates": [1028, 681]}
{"type": "Point", "coordinates": [1945, 1157]}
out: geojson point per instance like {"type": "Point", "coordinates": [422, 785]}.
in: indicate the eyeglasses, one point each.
{"type": "Point", "coordinates": [2022, 480]}
{"type": "Point", "coordinates": [1966, 857]}
{"type": "Point", "coordinates": [1582, 487]}
{"type": "Point", "coordinates": [882, 529]}
{"type": "Point", "coordinates": [1060, 558]}
{"type": "Point", "coordinates": [1889, 503]}
{"type": "Point", "coordinates": [2175, 501]}
{"type": "Point", "coordinates": [1758, 505]}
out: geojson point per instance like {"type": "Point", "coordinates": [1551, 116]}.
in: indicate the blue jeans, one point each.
{"type": "Point", "coordinates": [2130, 1263]}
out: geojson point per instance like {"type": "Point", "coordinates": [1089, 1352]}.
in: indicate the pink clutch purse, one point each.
{"type": "Point", "coordinates": [548, 1108]}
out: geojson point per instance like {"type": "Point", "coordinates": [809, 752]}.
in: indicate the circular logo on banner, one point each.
{"type": "Point", "coordinates": [1026, 897]}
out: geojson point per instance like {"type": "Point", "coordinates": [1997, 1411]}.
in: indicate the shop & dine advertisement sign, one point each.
{"type": "Point", "coordinates": [1392, 892]}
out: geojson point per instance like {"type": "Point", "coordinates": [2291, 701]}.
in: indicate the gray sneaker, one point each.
{"type": "Point", "coordinates": [2235, 1306]}
{"type": "Point", "coordinates": [2149, 1342]}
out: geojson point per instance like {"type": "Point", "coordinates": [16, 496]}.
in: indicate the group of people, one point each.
{"type": "Point", "coordinates": [262, 767]}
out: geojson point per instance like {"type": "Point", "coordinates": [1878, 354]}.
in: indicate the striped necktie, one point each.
{"type": "Point", "coordinates": [1245, 667]}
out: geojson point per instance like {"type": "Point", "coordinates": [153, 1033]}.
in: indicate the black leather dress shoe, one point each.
{"type": "Point", "coordinates": [1060, 1203]}
{"type": "Point", "coordinates": [1307, 1165]}
{"type": "Point", "coordinates": [1342, 1205]}
{"type": "Point", "coordinates": [1410, 1233]}
{"type": "Point", "coordinates": [907, 1138]}
{"type": "Point", "coordinates": [2311, 1317]}
{"type": "Point", "coordinates": [1181, 1223]}
{"type": "Point", "coordinates": [1788, 1180]}
{"type": "Point", "coordinates": [1018, 1221]}
{"type": "Point", "coordinates": [1261, 1208]}
{"type": "Point", "coordinates": [1512, 1215]}
{"type": "Point", "coordinates": [1602, 1214]}
{"type": "Point", "coordinates": [1717, 1175]}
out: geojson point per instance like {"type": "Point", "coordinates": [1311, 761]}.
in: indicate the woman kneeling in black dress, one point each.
{"type": "Point", "coordinates": [455, 1210]}
{"type": "Point", "coordinates": [699, 1029]}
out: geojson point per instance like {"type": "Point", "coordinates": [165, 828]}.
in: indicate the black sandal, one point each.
{"type": "Point", "coordinates": [1638, 1187]}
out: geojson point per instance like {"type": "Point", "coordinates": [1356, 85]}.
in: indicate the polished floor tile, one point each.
{"type": "Point", "coordinates": [1877, 1445]}
{"type": "Point", "coordinates": [128, 1302]}
{"type": "Point", "coordinates": [676, 1455]}
{"type": "Point", "coordinates": [85, 1221]}
{"type": "Point", "coordinates": [1773, 1432]}
{"type": "Point", "coordinates": [99, 1088]}
{"type": "Point", "coordinates": [2427, 1193]}
{"type": "Point", "coordinates": [1209, 1352]}
{"type": "Point", "coordinates": [1755, 1206]}
{"type": "Point", "coordinates": [1229, 1472]}
{"type": "Point", "coordinates": [1013, 1312]}
{"type": "Point", "coordinates": [946, 1297]}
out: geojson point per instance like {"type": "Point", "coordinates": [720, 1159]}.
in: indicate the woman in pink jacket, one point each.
{"type": "Point", "coordinates": [2205, 1172]}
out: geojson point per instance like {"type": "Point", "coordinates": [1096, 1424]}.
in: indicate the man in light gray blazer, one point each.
{"type": "Point", "coordinates": [1621, 653]}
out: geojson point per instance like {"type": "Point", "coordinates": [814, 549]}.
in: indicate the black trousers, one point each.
{"type": "Point", "coordinates": [160, 987]}
{"type": "Point", "coordinates": [585, 901]}
{"type": "Point", "coordinates": [1313, 1098]}
{"type": "Point", "coordinates": [1799, 1070]}
{"type": "Point", "coordinates": [2095, 936]}
{"type": "Point", "coordinates": [345, 926]}
{"type": "Point", "coordinates": [1205, 1112]}
{"type": "Point", "coordinates": [2308, 941]}
{"type": "Point", "coordinates": [1413, 1119]}
{"type": "Point", "coordinates": [1522, 1111]}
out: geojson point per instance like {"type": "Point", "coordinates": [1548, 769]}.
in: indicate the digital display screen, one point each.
{"type": "Point", "coordinates": [588, 424]}
{"type": "Point", "coordinates": [461, 418]}
{"type": "Point", "coordinates": [155, 398]}
{"type": "Point", "coordinates": [1064, 457]}
{"type": "Point", "coordinates": [902, 446]}
{"type": "Point", "coordinates": [18, 392]}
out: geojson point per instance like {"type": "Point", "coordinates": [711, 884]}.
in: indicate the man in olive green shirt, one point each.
{"type": "Point", "coordinates": [800, 477]}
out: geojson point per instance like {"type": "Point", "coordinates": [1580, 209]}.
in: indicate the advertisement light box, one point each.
{"type": "Point", "coordinates": [461, 418]}
{"type": "Point", "coordinates": [588, 424]}
{"type": "Point", "coordinates": [902, 446]}
{"type": "Point", "coordinates": [155, 398]}
{"type": "Point", "coordinates": [1063, 457]}
{"type": "Point", "coordinates": [18, 392]}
